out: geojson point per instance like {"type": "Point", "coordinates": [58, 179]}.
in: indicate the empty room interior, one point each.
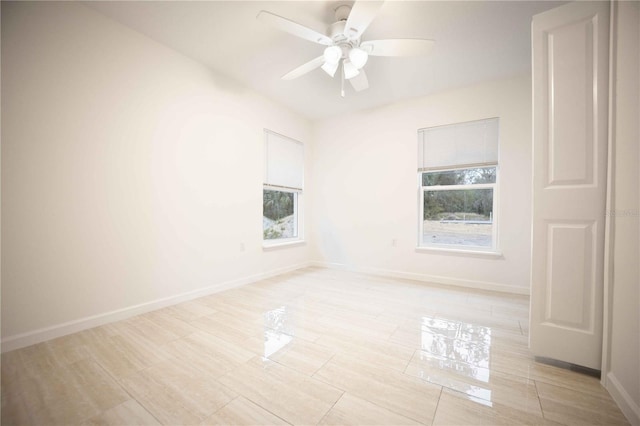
{"type": "Point", "coordinates": [320, 212]}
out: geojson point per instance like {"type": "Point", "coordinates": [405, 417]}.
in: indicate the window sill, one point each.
{"type": "Point", "coordinates": [461, 252]}
{"type": "Point", "coordinates": [282, 244]}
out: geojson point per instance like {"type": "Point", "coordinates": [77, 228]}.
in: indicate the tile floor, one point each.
{"type": "Point", "coordinates": [315, 346]}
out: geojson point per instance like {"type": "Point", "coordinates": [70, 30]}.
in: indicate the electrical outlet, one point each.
{"type": "Point", "coordinates": [242, 247]}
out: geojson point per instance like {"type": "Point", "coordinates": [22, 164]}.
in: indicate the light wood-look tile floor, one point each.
{"type": "Point", "coordinates": [316, 346]}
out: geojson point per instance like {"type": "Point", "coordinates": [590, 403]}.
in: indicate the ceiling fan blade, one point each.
{"type": "Point", "coordinates": [294, 28]}
{"type": "Point", "coordinates": [361, 15]}
{"type": "Point", "coordinates": [398, 47]}
{"type": "Point", "coordinates": [304, 68]}
{"type": "Point", "coordinates": [360, 81]}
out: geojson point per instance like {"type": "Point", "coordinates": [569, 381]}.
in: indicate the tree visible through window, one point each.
{"type": "Point", "coordinates": [279, 214]}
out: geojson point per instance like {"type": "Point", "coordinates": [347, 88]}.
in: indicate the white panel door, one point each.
{"type": "Point", "coordinates": [570, 116]}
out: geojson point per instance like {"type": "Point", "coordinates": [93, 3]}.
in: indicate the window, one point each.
{"type": "Point", "coordinates": [458, 173]}
{"type": "Point", "coordinates": [282, 191]}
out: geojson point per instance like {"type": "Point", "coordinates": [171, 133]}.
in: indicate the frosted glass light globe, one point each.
{"type": "Point", "coordinates": [330, 68]}
{"type": "Point", "coordinates": [350, 70]}
{"type": "Point", "coordinates": [358, 57]}
{"type": "Point", "coordinates": [332, 54]}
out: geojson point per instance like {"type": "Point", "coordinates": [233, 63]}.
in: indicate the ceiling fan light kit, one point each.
{"type": "Point", "coordinates": [344, 43]}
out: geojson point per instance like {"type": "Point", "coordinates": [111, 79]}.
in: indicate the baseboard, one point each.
{"type": "Point", "coordinates": [43, 334]}
{"type": "Point", "coordinates": [627, 405]}
{"type": "Point", "coordinates": [477, 285]}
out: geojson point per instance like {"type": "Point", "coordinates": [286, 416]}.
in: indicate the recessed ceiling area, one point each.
{"type": "Point", "coordinates": [475, 41]}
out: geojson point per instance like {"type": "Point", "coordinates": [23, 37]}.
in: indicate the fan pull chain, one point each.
{"type": "Point", "coordinates": [342, 81]}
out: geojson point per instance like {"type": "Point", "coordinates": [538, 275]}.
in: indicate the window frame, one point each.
{"type": "Point", "coordinates": [494, 248]}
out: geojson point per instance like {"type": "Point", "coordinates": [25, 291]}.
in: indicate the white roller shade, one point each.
{"type": "Point", "coordinates": [472, 143]}
{"type": "Point", "coordinates": [284, 161]}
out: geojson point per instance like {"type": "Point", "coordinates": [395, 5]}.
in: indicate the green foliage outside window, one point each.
{"type": "Point", "coordinates": [278, 210]}
{"type": "Point", "coordinates": [277, 204]}
{"type": "Point", "coordinates": [459, 204]}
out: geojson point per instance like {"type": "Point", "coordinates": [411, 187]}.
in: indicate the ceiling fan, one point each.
{"type": "Point", "coordinates": [345, 48]}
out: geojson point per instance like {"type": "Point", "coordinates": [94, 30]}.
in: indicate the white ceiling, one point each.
{"type": "Point", "coordinates": [475, 41]}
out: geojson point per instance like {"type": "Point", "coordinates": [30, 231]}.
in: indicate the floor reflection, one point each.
{"type": "Point", "coordinates": [278, 330]}
{"type": "Point", "coordinates": [457, 355]}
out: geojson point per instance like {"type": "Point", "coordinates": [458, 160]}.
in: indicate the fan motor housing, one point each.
{"type": "Point", "coordinates": [336, 33]}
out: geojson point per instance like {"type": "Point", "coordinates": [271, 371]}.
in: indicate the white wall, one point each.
{"type": "Point", "coordinates": [130, 173]}
{"type": "Point", "coordinates": [623, 378]}
{"type": "Point", "coordinates": [365, 184]}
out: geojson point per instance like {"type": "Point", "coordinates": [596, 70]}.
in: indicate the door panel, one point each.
{"type": "Point", "coordinates": [571, 280]}
{"type": "Point", "coordinates": [571, 70]}
{"type": "Point", "coordinates": [570, 95]}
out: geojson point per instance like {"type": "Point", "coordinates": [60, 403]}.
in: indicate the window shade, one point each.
{"type": "Point", "coordinates": [284, 161]}
{"type": "Point", "coordinates": [463, 144]}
